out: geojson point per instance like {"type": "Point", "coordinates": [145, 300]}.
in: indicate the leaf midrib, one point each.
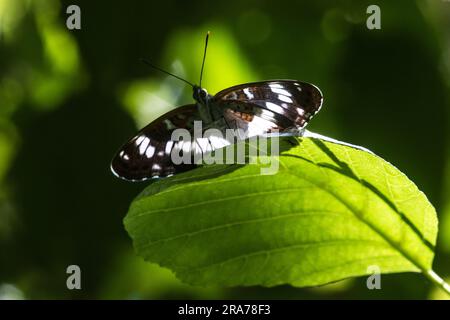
{"type": "Point", "coordinates": [222, 199]}
{"type": "Point", "coordinates": [242, 222]}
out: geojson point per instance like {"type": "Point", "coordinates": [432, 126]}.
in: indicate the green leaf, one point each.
{"type": "Point", "coordinates": [330, 212]}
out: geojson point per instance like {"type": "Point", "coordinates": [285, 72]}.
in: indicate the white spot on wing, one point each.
{"type": "Point", "coordinates": [150, 151]}
{"type": "Point", "coordinates": [282, 91]}
{"type": "Point", "coordinates": [169, 145]}
{"type": "Point", "coordinates": [248, 93]}
{"type": "Point", "coordinates": [259, 126]}
{"type": "Point", "coordinates": [275, 86]}
{"type": "Point", "coordinates": [300, 111]}
{"type": "Point", "coordinates": [144, 144]}
{"type": "Point", "coordinates": [139, 140]}
{"type": "Point", "coordinates": [285, 98]}
{"type": "Point", "coordinates": [274, 107]}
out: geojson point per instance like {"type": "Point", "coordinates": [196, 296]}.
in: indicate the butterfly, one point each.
{"type": "Point", "coordinates": [257, 108]}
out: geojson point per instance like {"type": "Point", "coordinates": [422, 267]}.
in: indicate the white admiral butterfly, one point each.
{"type": "Point", "coordinates": [258, 108]}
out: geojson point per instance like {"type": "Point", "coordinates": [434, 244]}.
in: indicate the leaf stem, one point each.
{"type": "Point", "coordinates": [437, 280]}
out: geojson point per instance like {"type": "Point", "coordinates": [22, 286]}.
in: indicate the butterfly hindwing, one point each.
{"type": "Point", "coordinates": [251, 118]}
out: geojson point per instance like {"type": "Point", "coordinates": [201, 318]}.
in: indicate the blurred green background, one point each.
{"type": "Point", "coordinates": [70, 98]}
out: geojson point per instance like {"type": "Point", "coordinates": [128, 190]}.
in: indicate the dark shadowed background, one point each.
{"type": "Point", "coordinates": [70, 98]}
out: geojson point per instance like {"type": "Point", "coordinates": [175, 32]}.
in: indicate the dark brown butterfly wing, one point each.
{"type": "Point", "coordinates": [148, 154]}
{"type": "Point", "coordinates": [284, 104]}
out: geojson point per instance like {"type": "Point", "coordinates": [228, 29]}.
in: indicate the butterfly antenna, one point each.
{"type": "Point", "coordinates": [204, 57]}
{"type": "Point", "coordinates": [166, 72]}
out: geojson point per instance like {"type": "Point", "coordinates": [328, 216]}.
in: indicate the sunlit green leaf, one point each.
{"type": "Point", "coordinates": [330, 212]}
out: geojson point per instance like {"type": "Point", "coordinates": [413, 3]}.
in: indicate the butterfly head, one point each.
{"type": "Point", "coordinates": [201, 95]}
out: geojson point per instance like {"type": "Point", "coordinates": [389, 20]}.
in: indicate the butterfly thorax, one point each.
{"type": "Point", "coordinates": [203, 99]}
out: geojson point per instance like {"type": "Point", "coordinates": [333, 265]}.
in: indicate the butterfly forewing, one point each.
{"type": "Point", "coordinates": [293, 101]}
{"type": "Point", "coordinates": [149, 154]}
